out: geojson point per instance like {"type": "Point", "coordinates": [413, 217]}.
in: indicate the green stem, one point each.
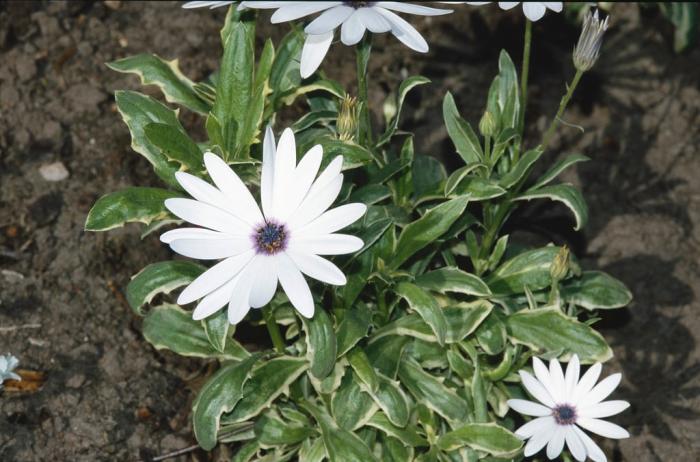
{"type": "Point", "coordinates": [562, 107]}
{"type": "Point", "coordinates": [524, 75]}
{"type": "Point", "coordinates": [362, 53]}
{"type": "Point", "coordinates": [273, 329]}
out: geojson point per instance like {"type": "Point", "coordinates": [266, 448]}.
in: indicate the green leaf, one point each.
{"type": "Point", "coordinates": [550, 330]}
{"type": "Point", "coordinates": [458, 175]}
{"type": "Point", "coordinates": [251, 128]}
{"type": "Point", "coordinates": [216, 327]}
{"type": "Point", "coordinates": [392, 400]}
{"type": "Point", "coordinates": [685, 17]}
{"type": "Point", "coordinates": [341, 444]}
{"type": "Point", "coordinates": [408, 435]}
{"type": "Point", "coordinates": [139, 110]}
{"type": "Point", "coordinates": [492, 335]}
{"type": "Point", "coordinates": [498, 250]}
{"type": "Point", "coordinates": [175, 145]}
{"type": "Point", "coordinates": [596, 290]}
{"type": "Point", "coordinates": [450, 279]}
{"type": "Point", "coordinates": [219, 395]}
{"type": "Point", "coordinates": [353, 327]}
{"type": "Point", "coordinates": [557, 168]}
{"type": "Point", "coordinates": [428, 176]}
{"type": "Point", "coordinates": [270, 430]}
{"type": "Point", "coordinates": [426, 306]}
{"type": "Point", "coordinates": [465, 140]}
{"type": "Point", "coordinates": [154, 70]}
{"type": "Point", "coordinates": [160, 278]}
{"type": "Point", "coordinates": [487, 437]}
{"type": "Point", "coordinates": [567, 195]}
{"type": "Point", "coordinates": [406, 86]}
{"type": "Point", "coordinates": [267, 381]}
{"type": "Point", "coordinates": [385, 353]}
{"type": "Point", "coordinates": [530, 268]}
{"type": "Point", "coordinates": [370, 194]}
{"type": "Point", "coordinates": [284, 74]}
{"type": "Point", "coordinates": [136, 204]}
{"type": "Point", "coordinates": [428, 390]}
{"type": "Point", "coordinates": [352, 406]}
{"type": "Point", "coordinates": [476, 188]}
{"type": "Point", "coordinates": [363, 369]}
{"type": "Point", "coordinates": [312, 450]}
{"type": "Point", "coordinates": [427, 228]}
{"type": "Point", "coordinates": [172, 328]}
{"type": "Point", "coordinates": [321, 346]}
{"type": "Point", "coordinates": [521, 169]}
{"type": "Point", "coordinates": [353, 154]}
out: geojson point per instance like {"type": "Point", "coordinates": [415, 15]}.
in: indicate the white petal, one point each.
{"type": "Point", "coordinates": [508, 5]}
{"type": "Point", "coordinates": [315, 49]}
{"type": "Point", "coordinates": [208, 216]}
{"type": "Point", "coordinates": [329, 20]}
{"type": "Point", "coordinates": [318, 268]}
{"type": "Point", "coordinates": [204, 4]}
{"type": "Point", "coordinates": [192, 233]}
{"type": "Point", "coordinates": [334, 219]}
{"type": "Point", "coordinates": [239, 305]}
{"type": "Point", "coordinates": [402, 7]}
{"type": "Point", "coordinates": [295, 286]}
{"type": "Point", "coordinates": [554, 6]}
{"type": "Point", "coordinates": [603, 428]}
{"type": "Point", "coordinates": [540, 438]}
{"type": "Point", "coordinates": [329, 244]}
{"type": "Point", "coordinates": [572, 374]}
{"type": "Point", "coordinates": [265, 281]}
{"type": "Point", "coordinates": [475, 3]}
{"type": "Point", "coordinates": [352, 30]}
{"type": "Point", "coordinates": [266, 5]}
{"type": "Point", "coordinates": [285, 164]}
{"type": "Point", "coordinates": [298, 10]}
{"type": "Point", "coordinates": [586, 383]}
{"type": "Point", "coordinates": [321, 195]}
{"type": "Point", "coordinates": [556, 375]}
{"type": "Point", "coordinates": [403, 31]}
{"type": "Point", "coordinates": [536, 389]}
{"type": "Point", "coordinates": [327, 175]}
{"type": "Point", "coordinates": [214, 277]}
{"type": "Point", "coordinates": [556, 443]}
{"type": "Point", "coordinates": [373, 21]}
{"type": "Point", "coordinates": [215, 300]}
{"type": "Point", "coordinates": [533, 10]}
{"type": "Point", "coordinates": [535, 426]}
{"type": "Point", "coordinates": [575, 445]}
{"type": "Point", "coordinates": [303, 179]}
{"type": "Point", "coordinates": [604, 409]}
{"type": "Point", "coordinates": [542, 374]}
{"type": "Point", "coordinates": [240, 199]}
{"type": "Point", "coordinates": [203, 191]}
{"type": "Point", "coordinates": [268, 171]}
{"type": "Point", "coordinates": [600, 391]}
{"type": "Point", "coordinates": [529, 407]}
{"type": "Point", "coordinates": [592, 449]}
{"type": "Point", "coordinates": [211, 249]}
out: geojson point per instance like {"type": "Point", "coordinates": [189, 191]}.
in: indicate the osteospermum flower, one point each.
{"type": "Point", "coordinates": [533, 10]}
{"type": "Point", "coordinates": [568, 404]}
{"type": "Point", "coordinates": [8, 363]}
{"type": "Point", "coordinates": [353, 18]}
{"type": "Point", "coordinates": [206, 4]}
{"type": "Point", "coordinates": [260, 248]}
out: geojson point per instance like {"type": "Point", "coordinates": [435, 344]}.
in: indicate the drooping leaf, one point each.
{"type": "Point", "coordinates": [487, 437]}
{"type": "Point", "coordinates": [450, 279]}
{"type": "Point", "coordinates": [565, 193]}
{"type": "Point", "coordinates": [162, 277]}
{"type": "Point", "coordinates": [135, 204]}
{"type": "Point", "coordinates": [596, 290]}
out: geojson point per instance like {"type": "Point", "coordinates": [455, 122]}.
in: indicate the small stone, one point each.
{"type": "Point", "coordinates": [55, 171]}
{"type": "Point", "coordinates": [12, 277]}
{"type": "Point", "coordinates": [25, 67]}
{"type": "Point", "coordinates": [113, 4]}
{"type": "Point", "coordinates": [76, 381]}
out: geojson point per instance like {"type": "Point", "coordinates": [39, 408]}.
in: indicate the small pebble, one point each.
{"type": "Point", "coordinates": [13, 277]}
{"type": "Point", "coordinates": [76, 381]}
{"type": "Point", "coordinates": [55, 171]}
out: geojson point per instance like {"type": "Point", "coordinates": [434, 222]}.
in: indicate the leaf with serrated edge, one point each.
{"type": "Point", "coordinates": [160, 278]}
{"type": "Point", "coordinates": [135, 204]}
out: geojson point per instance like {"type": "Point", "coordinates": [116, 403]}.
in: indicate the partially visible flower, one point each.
{"type": "Point", "coordinates": [8, 363]}
{"type": "Point", "coordinates": [567, 404]}
{"type": "Point", "coordinates": [205, 4]}
{"type": "Point", "coordinates": [353, 18]}
{"type": "Point", "coordinates": [259, 248]}
{"type": "Point", "coordinates": [348, 118]}
{"type": "Point", "coordinates": [587, 49]}
{"type": "Point", "coordinates": [533, 10]}
{"type": "Point", "coordinates": [560, 265]}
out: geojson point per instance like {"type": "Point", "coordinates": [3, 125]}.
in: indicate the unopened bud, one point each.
{"type": "Point", "coordinates": [560, 266]}
{"type": "Point", "coordinates": [348, 118]}
{"type": "Point", "coordinates": [587, 49]}
{"type": "Point", "coordinates": [487, 124]}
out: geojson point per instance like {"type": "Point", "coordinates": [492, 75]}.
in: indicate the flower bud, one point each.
{"type": "Point", "coordinates": [560, 266]}
{"type": "Point", "coordinates": [487, 124]}
{"type": "Point", "coordinates": [348, 118]}
{"type": "Point", "coordinates": [587, 49]}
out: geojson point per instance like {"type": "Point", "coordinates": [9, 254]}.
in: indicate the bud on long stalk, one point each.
{"type": "Point", "coordinates": [587, 49]}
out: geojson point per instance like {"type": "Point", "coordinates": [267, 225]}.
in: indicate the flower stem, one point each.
{"type": "Point", "coordinates": [365, 126]}
{"type": "Point", "coordinates": [524, 75]}
{"type": "Point", "coordinates": [562, 107]}
{"type": "Point", "coordinates": [273, 329]}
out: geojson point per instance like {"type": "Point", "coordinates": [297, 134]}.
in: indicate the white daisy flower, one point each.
{"type": "Point", "coordinates": [353, 18]}
{"type": "Point", "coordinates": [204, 4]}
{"type": "Point", "coordinates": [567, 404]}
{"type": "Point", "coordinates": [260, 248]}
{"type": "Point", "coordinates": [533, 10]}
{"type": "Point", "coordinates": [8, 363]}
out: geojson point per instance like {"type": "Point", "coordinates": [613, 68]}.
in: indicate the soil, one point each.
{"type": "Point", "coordinates": [109, 396]}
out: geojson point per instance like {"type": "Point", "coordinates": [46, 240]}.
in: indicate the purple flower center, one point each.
{"type": "Point", "coordinates": [564, 414]}
{"type": "Point", "coordinates": [270, 238]}
{"type": "Point", "coordinates": [358, 4]}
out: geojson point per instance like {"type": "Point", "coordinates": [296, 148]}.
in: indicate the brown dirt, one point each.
{"type": "Point", "coordinates": [110, 396]}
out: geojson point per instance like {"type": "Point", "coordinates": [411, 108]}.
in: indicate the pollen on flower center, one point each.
{"type": "Point", "coordinates": [270, 238]}
{"type": "Point", "coordinates": [564, 414]}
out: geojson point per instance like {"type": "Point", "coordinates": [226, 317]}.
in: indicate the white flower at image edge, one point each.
{"type": "Point", "coordinates": [8, 363]}
{"type": "Point", "coordinates": [260, 248]}
{"type": "Point", "coordinates": [353, 18]}
{"type": "Point", "coordinates": [533, 10]}
{"type": "Point", "coordinates": [567, 404]}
